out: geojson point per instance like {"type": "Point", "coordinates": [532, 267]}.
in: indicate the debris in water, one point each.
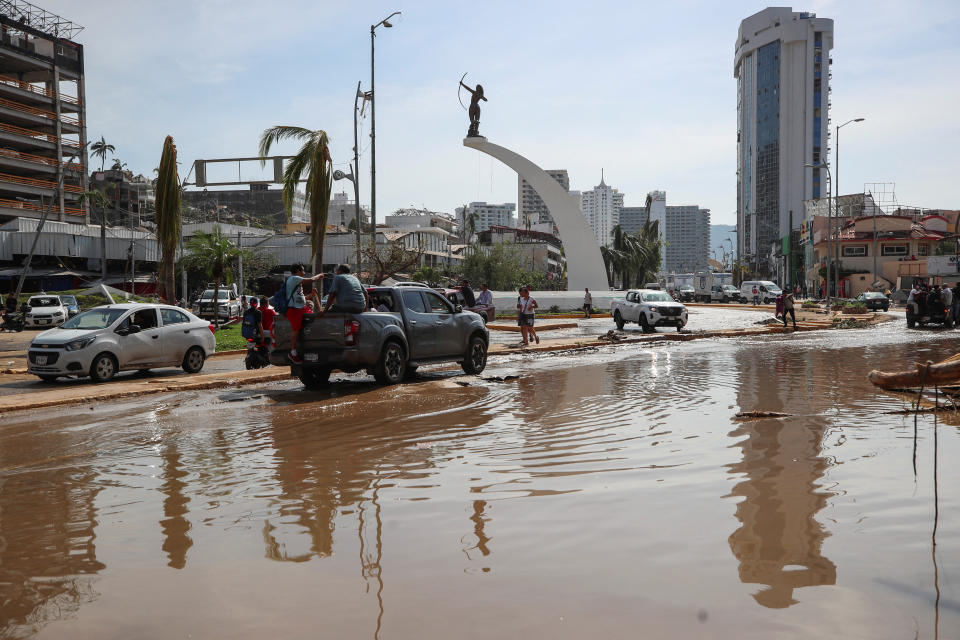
{"type": "Point", "coordinates": [612, 336]}
{"type": "Point", "coordinates": [751, 415]}
{"type": "Point", "coordinates": [462, 383]}
{"type": "Point", "coordinates": [507, 378]}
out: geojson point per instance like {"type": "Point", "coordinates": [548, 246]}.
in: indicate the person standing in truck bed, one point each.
{"type": "Point", "coordinates": [346, 294]}
{"type": "Point", "coordinates": [296, 306]}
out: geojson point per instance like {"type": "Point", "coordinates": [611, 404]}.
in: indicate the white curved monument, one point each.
{"type": "Point", "coordinates": [584, 262]}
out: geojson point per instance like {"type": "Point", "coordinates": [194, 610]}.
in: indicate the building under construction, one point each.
{"type": "Point", "coordinates": [43, 155]}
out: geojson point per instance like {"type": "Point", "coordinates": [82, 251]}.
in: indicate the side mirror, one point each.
{"type": "Point", "coordinates": [134, 328]}
{"type": "Point", "coordinates": [458, 309]}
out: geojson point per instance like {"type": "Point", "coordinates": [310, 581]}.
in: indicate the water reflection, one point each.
{"type": "Point", "coordinates": [47, 550]}
{"type": "Point", "coordinates": [175, 525]}
{"type": "Point", "coordinates": [779, 543]}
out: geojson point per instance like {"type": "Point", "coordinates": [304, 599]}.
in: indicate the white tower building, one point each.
{"type": "Point", "coordinates": [782, 67]}
{"type": "Point", "coordinates": [601, 207]}
{"type": "Point", "coordinates": [487, 215]}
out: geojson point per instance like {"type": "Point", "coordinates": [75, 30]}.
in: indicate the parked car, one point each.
{"type": "Point", "coordinates": [420, 326]}
{"type": "Point", "coordinates": [411, 283]}
{"type": "Point", "coordinates": [228, 304]}
{"type": "Point", "coordinates": [46, 311]}
{"type": "Point", "coordinates": [486, 311]}
{"type": "Point", "coordinates": [104, 340]}
{"type": "Point", "coordinates": [874, 300]}
{"type": "Point", "coordinates": [649, 308]}
{"type": "Point", "coordinates": [73, 307]}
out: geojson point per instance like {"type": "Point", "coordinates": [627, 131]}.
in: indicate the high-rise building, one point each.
{"type": "Point", "coordinates": [632, 219]}
{"type": "Point", "coordinates": [686, 237]}
{"type": "Point", "coordinates": [487, 215]}
{"type": "Point", "coordinates": [532, 209]}
{"type": "Point", "coordinates": [42, 115]}
{"type": "Point", "coordinates": [658, 214]}
{"type": "Point", "coordinates": [782, 67]}
{"type": "Point", "coordinates": [601, 207]}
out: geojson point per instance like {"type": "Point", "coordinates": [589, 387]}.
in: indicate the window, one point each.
{"type": "Point", "coordinates": [893, 250]}
{"type": "Point", "coordinates": [438, 304]}
{"type": "Point", "coordinates": [923, 249]}
{"type": "Point", "coordinates": [413, 301]}
{"type": "Point", "coordinates": [145, 318]}
{"type": "Point", "coordinates": [172, 316]}
{"type": "Point", "coordinates": [855, 251]}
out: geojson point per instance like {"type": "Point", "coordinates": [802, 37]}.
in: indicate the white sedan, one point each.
{"type": "Point", "coordinates": [121, 337]}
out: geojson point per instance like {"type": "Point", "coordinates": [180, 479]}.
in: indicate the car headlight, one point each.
{"type": "Point", "coordinates": [76, 345]}
{"type": "Point", "coordinates": [653, 309]}
{"type": "Point", "coordinates": [58, 313]}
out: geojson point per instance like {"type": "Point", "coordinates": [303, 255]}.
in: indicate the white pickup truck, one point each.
{"type": "Point", "coordinates": [649, 309]}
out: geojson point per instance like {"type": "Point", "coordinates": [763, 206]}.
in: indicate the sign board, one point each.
{"type": "Point", "coordinates": [943, 266]}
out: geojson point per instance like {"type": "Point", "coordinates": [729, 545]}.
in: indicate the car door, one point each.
{"type": "Point", "coordinates": [631, 309]}
{"type": "Point", "coordinates": [178, 334]}
{"type": "Point", "coordinates": [449, 338]}
{"type": "Point", "coordinates": [421, 332]}
{"type": "Point", "coordinates": [144, 347]}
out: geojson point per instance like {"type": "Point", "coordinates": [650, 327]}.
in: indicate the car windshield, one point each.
{"type": "Point", "coordinates": [93, 319]}
{"type": "Point", "coordinates": [730, 287]}
{"type": "Point", "coordinates": [873, 295]}
{"type": "Point", "coordinates": [686, 287]}
{"type": "Point", "coordinates": [772, 288]}
{"type": "Point", "coordinates": [656, 296]}
{"type": "Point", "coordinates": [208, 295]}
{"type": "Point", "coordinates": [68, 299]}
{"type": "Point", "coordinates": [44, 301]}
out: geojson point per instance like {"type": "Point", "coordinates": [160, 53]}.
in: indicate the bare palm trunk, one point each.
{"type": "Point", "coordinates": [216, 302]}
{"type": "Point", "coordinates": [169, 279]}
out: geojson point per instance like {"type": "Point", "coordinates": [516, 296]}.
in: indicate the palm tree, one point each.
{"type": "Point", "coordinates": [314, 159]}
{"type": "Point", "coordinates": [99, 203]}
{"type": "Point", "coordinates": [212, 254]}
{"type": "Point", "coordinates": [117, 165]}
{"type": "Point", "coordinates": [101, 148]}
{"type": "Point", "coordinates": [168, 217]}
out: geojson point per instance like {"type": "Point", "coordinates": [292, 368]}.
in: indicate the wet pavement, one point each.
{"type": "Point", "coordinates": [610, 493]}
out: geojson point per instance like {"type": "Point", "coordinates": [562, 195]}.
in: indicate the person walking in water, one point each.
{"type": "Point", "coordinates": [474, 111]}
{"type": "Point", "coordinates": [587, 302]}
{"type": "Point", "coordinates": [788, 309]}
{"type": "Point", "coordinates": [526, 308]}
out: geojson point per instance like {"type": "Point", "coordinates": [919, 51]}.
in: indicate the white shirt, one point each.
{"type": "Point", "coordinates": [486, 297]}
{"type": "Point", "coordinates": [587, 298]}
{"type": "Point", "coordinates": [913, 293]}
{"type": "Point", "coordinates": [946, 296]}
{"type": "Point", "coordinates": [526, 306]}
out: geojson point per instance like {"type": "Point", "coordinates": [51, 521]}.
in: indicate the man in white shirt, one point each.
{"type": "Point", "coordinates": [486, 296]}
{"type": "Point", "coordinates": [587, 302]}
{"type": "Point", "coordinates": [911, 299]}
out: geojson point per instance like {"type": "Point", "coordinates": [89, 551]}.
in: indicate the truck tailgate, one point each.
{"type": "Point", "coordinates": [324, 332]}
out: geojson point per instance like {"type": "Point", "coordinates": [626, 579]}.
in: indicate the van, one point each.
{"type": "Point", "coordinates": [653, 285]}
{"type": "Point", "coordinates": [767, 291]}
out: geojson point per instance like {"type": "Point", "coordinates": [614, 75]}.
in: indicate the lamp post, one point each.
{"type": "Point", "coordinates": [836, 191]}
{"type": "Point", "coordinates": [373, 132]}
{"type": "Point", "coordinates": [829, 227]}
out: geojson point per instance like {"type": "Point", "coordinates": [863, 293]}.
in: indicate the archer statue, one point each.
{"type": "Point", "coordinates": [474, 111]}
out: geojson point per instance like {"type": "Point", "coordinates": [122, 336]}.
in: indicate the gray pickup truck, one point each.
{"type": "Point", "coordinates": [414, 326]}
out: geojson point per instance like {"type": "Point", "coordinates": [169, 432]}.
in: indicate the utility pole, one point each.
{"type": "Point", "coordinates": [240, 261]}
{"type": "Point", "coordinates": [103, 245]}
{"type": "Point", "coordinates": [356, 177]}
{"type": "Point", "coordinates": [373, 131]}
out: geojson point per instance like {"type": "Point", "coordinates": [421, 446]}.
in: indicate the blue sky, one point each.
{"type": "Point", "coordinates": [644, 90]}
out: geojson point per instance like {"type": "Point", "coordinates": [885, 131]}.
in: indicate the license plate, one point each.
{"type": "Point", "coordinates": [41, 360]}
{"type": "Point", "coordinates": [44, 322]}
{"type": "Point", "coordinates": [310, 357]}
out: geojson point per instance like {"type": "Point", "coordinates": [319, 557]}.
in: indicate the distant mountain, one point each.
{"type": "Point", "coordinates": [718, 237]}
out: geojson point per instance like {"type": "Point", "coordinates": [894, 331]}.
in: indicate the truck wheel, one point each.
{"type": "Point", "coordinates": [725, 300]}
{"type": "Point", "coordinates": [644, 325]}
{"type": "Point", "coordinates": [314, 378]}
{"type": "Point", "coordinates": [392, 365]}
{"type": "Point", "coordinates": [475, 360]}
{"type": "Point", "coordinates": [911, 323]}
{"type": "Point", "coordinates": [618, 319]}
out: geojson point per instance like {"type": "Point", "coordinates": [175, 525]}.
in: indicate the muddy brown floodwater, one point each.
{"type": "Point", "coordinates": [609, 495]}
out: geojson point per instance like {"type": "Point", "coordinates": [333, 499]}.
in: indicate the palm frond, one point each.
{"type": "Point", "coordinates": [278, 134]}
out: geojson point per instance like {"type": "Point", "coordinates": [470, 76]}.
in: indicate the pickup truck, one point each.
{"type": "Point", "coordinates": [648, 308]}
{"type": "Point", "coordinates": [419, 326]}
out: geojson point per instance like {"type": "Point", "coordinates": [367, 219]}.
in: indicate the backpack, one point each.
{"type": "Point", "coordinates": [249, 328]}
{"type": "Point", "coordinates": [280, 300]}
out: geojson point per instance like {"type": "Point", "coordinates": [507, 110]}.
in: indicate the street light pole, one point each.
{"type": "Point", "coordinates": [356, 176]}
{"type": "Point", "coordinates": [836, 199]}
{"type": "Point", "coordinates": [829, 228]}
{"type": "Point", "coordinates": [373, 130]}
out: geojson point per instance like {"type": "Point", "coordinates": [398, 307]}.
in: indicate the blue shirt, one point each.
{"type": "Point", "coordinates": [295, 293]}
{"type": "Point", "coordinates": [348, 292]}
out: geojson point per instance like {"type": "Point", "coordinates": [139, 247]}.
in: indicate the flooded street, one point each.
{"type": "Point", "coordinates": [610, 494]}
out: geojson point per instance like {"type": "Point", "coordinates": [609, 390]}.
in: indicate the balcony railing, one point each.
{"type": "Point", "coordinates": [43, 184]}
{"type": "Point", "coordinates": [10, 104]}
{"type": "Point", "coordinates": [29, 157]}
{"type": "Point", "coordinates": [26, 86]}
{"type": "Point", "coordinates": [30, 206]}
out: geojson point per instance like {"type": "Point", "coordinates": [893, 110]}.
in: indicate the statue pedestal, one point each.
{"type": "Point", "coordinates": [584, 262]}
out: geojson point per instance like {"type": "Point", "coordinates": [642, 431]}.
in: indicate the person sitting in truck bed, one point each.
{"type": "Point", "coordinates": [346, 294]}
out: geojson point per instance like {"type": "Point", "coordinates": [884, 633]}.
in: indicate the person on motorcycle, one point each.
{"type": "Point", "coordinates": [10, 304]}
